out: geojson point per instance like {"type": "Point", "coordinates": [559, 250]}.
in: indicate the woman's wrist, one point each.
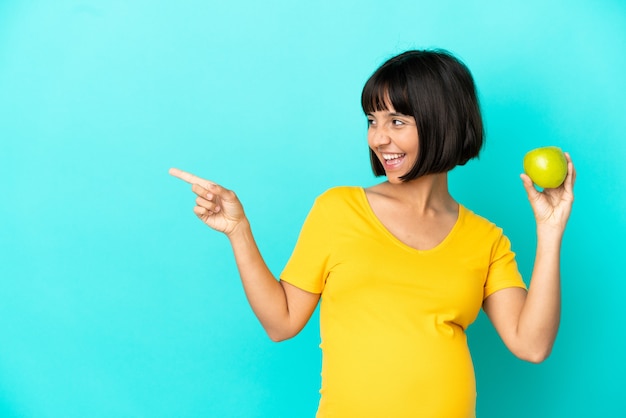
{"type": "Point", "coordinates": [550, 234]}
{"type": "Point", "coordinates": [241, 229]}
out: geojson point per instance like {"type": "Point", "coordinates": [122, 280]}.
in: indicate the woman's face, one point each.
{"type": "Point", "coordinates": [394, 139]}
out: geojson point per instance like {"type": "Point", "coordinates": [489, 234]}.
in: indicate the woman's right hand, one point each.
{"type": "Point", "coordinates": [216, 206]}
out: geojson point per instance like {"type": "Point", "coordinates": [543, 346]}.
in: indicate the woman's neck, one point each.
{"type": "Point", "coordinates": [425, 194]}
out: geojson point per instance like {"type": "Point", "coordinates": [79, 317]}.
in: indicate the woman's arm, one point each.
{"type": "Point", "coordinates": [528, 321]}
{"type": "Point", "coordinates": [282, 309]}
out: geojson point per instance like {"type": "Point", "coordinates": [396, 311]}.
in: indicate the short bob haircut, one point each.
{"type": "Point", "coordinates": [438, 90]}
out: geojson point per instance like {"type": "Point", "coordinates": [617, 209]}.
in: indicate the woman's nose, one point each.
{"type": "Point", "coordinates": [379, 136]}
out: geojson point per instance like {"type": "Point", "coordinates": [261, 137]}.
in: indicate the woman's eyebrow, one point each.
{"type": "Point", "coordinates": [388, 114]}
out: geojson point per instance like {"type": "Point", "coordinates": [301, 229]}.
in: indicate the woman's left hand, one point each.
{"type": "Point", "coordinates": [552, 207]}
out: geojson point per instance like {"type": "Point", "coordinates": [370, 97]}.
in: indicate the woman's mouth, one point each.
{"type": "Point", "coordinates": [393, 160]}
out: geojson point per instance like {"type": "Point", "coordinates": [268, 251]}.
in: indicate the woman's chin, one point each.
{"type": "Point", "coordinates": [394, 179]}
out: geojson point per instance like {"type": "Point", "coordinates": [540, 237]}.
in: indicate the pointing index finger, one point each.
{"type": "Point", "coordinates": [190, 178]}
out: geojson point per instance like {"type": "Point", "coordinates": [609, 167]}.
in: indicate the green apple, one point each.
{"type": "Point", "coordinates": [546, 166]}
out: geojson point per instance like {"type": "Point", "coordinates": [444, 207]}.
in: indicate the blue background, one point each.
{"type": "Point", "coordinates": [117, 302]}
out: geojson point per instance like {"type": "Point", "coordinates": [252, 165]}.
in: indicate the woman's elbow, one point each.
{"type": "Point", "coordinates": [280, 335]}
{"type": "Point", "coordinates": [277, 338]}
{"type": "Point", "coordinates": [535, 356]}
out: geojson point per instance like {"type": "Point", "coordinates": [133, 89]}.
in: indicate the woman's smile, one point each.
{"type": "Point", "coordinates": [392, 161]}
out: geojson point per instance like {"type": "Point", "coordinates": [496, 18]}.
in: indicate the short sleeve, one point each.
{"type": "Point", "coordinates": [307, 267]}
{"type": "Point", "coordinates": [503, 270]}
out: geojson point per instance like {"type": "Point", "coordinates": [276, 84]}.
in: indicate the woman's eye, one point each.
{"type": "Point", "coordinates": [397, 122]}
{"type": "Point", "coordinates": [370, 122]}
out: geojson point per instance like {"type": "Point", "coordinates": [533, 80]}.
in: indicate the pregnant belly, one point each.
{"type": "Point", "coordinates": [410, 377]}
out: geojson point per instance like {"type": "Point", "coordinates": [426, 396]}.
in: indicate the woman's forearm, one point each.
{"type": "Point", "coordinates": [540, 316]}
{"type": "Point", "coordinates": [264, 293]}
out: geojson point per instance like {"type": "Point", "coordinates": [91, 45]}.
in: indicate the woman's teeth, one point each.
{"type": "Point", "coordinates": [388, 157]}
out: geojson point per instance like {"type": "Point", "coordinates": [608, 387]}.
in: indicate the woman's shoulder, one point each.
{"type": "Point", "coordinates": [479, 223]}
{"type": "Point", "coordinates": [340, 193]}
{"type": "Point", "coordinates": [340, 201]}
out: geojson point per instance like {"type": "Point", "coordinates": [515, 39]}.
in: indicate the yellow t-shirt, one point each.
{"type": "Point", "coordinates": [392, 318]}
